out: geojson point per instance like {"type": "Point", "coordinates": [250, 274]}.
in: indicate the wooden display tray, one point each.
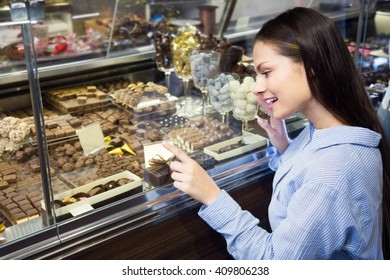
{"type": "Point", "coordinates": [257, 142]}
{"type": "Point", "coordinates": [86, 204]}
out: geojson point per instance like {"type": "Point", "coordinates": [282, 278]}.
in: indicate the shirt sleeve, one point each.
{"type": "Point", "coordinates": [240, 228]}
{"type": "Point", "coordinates": [275, 161]}
{"type": "Point", "coordinates": [314, 227]}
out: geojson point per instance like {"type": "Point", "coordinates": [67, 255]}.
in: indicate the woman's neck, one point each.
{"type": "Point", "coordinates": [320, 117]}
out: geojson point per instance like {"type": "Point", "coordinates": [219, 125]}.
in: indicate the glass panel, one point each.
{"type": "Point", "coordinates": [373, 56]}
{"type": "Point", "coordinates": [57, 37]}
{"type": "Point", "coordinates": [82, 181]}
{"type": "Point", "coordinates": [129, 109]}
{"type": "Point", "coordinates": [24, 176]}
{"type": "Point", "coordinates": [366, 39]}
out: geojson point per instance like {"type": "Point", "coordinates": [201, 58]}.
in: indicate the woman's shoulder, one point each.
{"type": "Point", "coordinates": [345, 155]}
{"type": "Point", "coordinates": [345, 135]}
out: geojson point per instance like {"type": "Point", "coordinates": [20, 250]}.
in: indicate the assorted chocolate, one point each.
{"type": "Point", "coordinates": [220, 93]}
{"type": "Point", "coordinates": [13, 133]}
{"type": "Point", "coordinates": [230, 147]}
{"type": "Point", "coordinates": [145, 101]}
{"type": "Point", "coordinates": [76, 99]}
{"type": "Point", "coordinates": [21, 205]}
{"type": "Point", "coordinates": [21, 196]}
{"type": "Point", "coordinates": [162, 44]}
{"type": "Point", "coordinates": [200, 133]}
{"type": "Point", "coordinates": [98, 189]}
{"type": "Point", "coordinates": [186, 41]}
{"type": "Point", "coordinates": [245, 105]}
{"type": "Point", "coordinates": [143, 114]}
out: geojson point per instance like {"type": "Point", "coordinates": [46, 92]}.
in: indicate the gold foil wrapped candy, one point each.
{"type": "Point", "coordinates": [115, 149]}
{"type": "Point", "coordinates": [186, 41]}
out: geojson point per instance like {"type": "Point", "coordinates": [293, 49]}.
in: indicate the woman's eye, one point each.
{"type": "Point", "coordinates": [266, 73]}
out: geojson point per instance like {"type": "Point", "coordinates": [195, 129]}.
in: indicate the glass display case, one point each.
{"type": "Point", "coordinates": [84, 108]}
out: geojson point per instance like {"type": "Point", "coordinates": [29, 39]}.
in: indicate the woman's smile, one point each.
{"type": "Point", "coordinates": [270, 101]}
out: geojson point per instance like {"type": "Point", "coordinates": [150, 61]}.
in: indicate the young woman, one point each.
{"type": "Point", "coordinates": [331, 186]}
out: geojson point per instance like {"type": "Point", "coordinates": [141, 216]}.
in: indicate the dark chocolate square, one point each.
{"type": "Point", "coordinates": [158, 175]}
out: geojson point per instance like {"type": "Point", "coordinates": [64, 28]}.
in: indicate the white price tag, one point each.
{"type": "Point", "coordinates": [91, 138]}
{"type": "Point", "coordinates": [80, 210]}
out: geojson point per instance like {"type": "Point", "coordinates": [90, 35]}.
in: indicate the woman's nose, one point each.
{"type": "Point", "coordinates": [259, 87]}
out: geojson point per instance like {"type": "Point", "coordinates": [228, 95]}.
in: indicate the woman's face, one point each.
{"type": "Point", "coordinates": [281, 85]}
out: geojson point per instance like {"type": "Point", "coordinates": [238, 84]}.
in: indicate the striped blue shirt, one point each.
{"type": "Point", "coordinates": [326, 201]}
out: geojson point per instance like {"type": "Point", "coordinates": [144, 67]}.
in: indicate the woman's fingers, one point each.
{"type": "Point", "coordinates": [191, 178]}
{"type": "Point", "coordinates": [264, 124]}
{"type": "Point", "coordinates": [181, 170]}
{"type": "Point", "coordinates": [182, 156]}
{"type": "Point", "coordinates": [177, 166]}
{"type": "Point", "coordinates": [178, 176]}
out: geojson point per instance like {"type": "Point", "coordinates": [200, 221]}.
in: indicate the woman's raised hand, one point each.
{"type": "Point", "coordinates": [277, 132]}
{"type": "Point", "coordinates": [191, 178]}
{"type": "Point", "coordinates": [275, 128]}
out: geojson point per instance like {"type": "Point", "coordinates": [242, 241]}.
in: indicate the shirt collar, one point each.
{"type": "Point", "coordinates": [343, 135]}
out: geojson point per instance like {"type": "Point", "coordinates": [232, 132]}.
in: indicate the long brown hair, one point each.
{"type": "Point", "coordinates": [307, 36]}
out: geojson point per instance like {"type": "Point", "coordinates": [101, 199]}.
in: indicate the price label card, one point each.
{"type": "Point", "coordinates": [80, 210]}
{"type": "Point", "coordinates": [91, 138]}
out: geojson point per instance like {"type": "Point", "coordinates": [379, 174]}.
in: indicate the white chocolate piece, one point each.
{"type": "Point", "coordinates": [241, 104]}
{"type": "Point", "coordinates": [251, 98]}
{"type": "Point", "coordinates": [248, 80]}
{"type": "Point", "coordinates": [234, 85]}
{"type": "Point", "coordinates": [250, 108]}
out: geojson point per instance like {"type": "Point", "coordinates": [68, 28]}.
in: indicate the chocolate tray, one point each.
{"type": "Point", "coordinates": [78, 207]}
{"type": "Point", "coordinates": [257, 141]}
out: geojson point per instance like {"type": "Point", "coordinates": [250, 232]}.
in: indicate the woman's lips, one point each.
{"type": "Point", "coordinates": [270, 101]}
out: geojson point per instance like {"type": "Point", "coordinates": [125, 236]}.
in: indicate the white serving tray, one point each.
{"type": "Point", "coordinates": [86, 204]}
{"type": "Point", "coordinates": [257, 141]}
